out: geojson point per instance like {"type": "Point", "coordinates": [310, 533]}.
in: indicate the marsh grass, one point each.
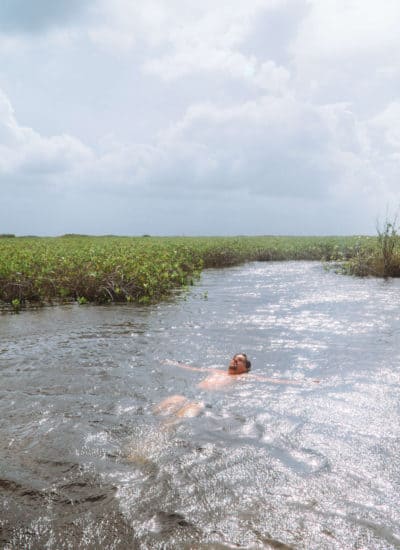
{"type": "Point", "coordinates": [377, 256]}
{"type": "Point", "coordinates": [138, 269]}
{"type": "Point", "coordinates": [388, 244]}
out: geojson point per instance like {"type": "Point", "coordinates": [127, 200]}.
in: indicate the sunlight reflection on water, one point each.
{"type": "Point", "coordinates": [311, 465]}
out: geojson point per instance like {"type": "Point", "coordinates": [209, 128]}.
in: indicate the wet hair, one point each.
{"type": "Point", "coordinates": [248, 363]}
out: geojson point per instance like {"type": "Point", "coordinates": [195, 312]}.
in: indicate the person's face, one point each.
{"type": "Point", "coordinates": [237, 365]}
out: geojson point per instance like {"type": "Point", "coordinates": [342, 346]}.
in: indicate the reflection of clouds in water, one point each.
{"type": "Point", "coordinates": [287, 343]}
{"type": "Point", "coordinates": [357, 413]}
{"type": "Point", "coordinates": [250, 294]}
{"type": "Point", "coordinates": [329, 297]}
{"type": "Point", "coordinates": [314, 322]}
{"type": "Point", "coordinates": [146, 444]}
{"type": "Point", "coordinates": [98, 445]}
{"type": "Point", "coordinates": [122, 410]}
{"type": "Point", "coordinates": [303, 364]}
{"type": "Point", "coordinates": [99, 437]}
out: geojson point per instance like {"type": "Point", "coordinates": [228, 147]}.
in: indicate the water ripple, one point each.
{"type": "Point", "coordinates": [86, 463]}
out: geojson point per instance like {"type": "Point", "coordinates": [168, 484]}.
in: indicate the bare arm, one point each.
{"type": "Point", "coordinates": [190, 367]}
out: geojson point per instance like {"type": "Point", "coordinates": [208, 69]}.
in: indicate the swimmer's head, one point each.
{"type": "Point", "coordinates": [239, 364]}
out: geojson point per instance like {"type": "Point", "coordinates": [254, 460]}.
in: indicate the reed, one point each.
{"type": "Point", "coordinates": [378, 256]}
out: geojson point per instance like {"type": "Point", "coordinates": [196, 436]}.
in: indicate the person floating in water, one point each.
{"type": "Point", "coordinates": [180, 406]}
{"type": "Point", "coordinates": [239, 364]}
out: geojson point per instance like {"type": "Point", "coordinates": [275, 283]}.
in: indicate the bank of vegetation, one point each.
{"type": "Point", "coordinates": [35, 270]}
{"type": "Point", "coordinates": [378, 256]}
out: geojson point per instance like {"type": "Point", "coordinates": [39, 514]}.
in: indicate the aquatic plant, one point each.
{"type": "Point", "coordinates": [388, 243]}
{"type": "Point", "coordinates": [138, 269]}
{"type": "Point", "coordinates": [377, 256]}
{"type": "Point", "coordinates": [16, 305]}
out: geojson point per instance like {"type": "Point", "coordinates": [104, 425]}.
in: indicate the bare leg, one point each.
{"type": "Point", "coordinates": [170, 405]}
{"type": "Point", "coordinates": [191, 409]}
{"type": "Point", "coordinates": [179, 406]}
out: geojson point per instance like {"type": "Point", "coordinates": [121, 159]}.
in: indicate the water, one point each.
{"type": "Point", "coordinates": [86, 463]}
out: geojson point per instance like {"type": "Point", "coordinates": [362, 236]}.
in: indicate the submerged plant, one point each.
{"type": "Point", "coordinates": [16, 305]}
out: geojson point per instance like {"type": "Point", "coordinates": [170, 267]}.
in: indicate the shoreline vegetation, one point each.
{"type": "Point", "coordinates": [76, 268]}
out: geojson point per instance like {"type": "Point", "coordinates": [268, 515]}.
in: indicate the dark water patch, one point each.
{"type": "Point", "coordinates": [60, 515]}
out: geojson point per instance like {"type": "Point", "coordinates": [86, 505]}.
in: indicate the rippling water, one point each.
{"type": "Point", "coordinates": [86, 463]}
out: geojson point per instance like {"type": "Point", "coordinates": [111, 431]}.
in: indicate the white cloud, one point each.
{"type": "Point", "coordinates": [347, 28]}
{"type": "Point", "coordinates": [201, 109]}
{"type": "Point", "coordinates": [24, 152]}
{"type": "Point", "coordinates": [345, 51]}
{"type": "Point", "coordinates": [272, 147]}
{"type": "Point", "coordinates": [266, 76]}
{"type": "Point", "coordinates": [386, 127]}
{"type": "Point", "coordinates": [184, 24]}
{"type": "Point", "coordinates": [190, 38]}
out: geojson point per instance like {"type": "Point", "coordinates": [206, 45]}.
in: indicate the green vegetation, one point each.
{"type": "Point", "coordinates": [139, 269]}
{"type": "Point", "coordinates": [16, 305]}
{"type": "Point", "coordinates": [379, 256]}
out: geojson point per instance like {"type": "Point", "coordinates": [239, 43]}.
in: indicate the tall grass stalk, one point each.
{"type": "Point", "coordinates": [388, 243]}
{"type": "Point", "coordinates": [377, 256]}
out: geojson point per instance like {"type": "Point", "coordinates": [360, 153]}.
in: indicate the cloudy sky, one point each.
{"type": "Point", "coordinates": [182, 117]}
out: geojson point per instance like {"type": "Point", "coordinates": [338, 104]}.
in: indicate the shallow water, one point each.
{"type": "Point", "coordinates": [86, 463]}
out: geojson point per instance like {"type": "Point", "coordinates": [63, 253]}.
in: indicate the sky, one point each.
{"type": "Point", "coordinates": [235, 117]}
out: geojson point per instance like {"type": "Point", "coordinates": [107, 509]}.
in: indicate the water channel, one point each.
{"type": "Point", "coordinates": [85, 462]}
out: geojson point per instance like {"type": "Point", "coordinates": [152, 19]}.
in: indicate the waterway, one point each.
{"type": "Point", "coordinates": [85, 461]}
